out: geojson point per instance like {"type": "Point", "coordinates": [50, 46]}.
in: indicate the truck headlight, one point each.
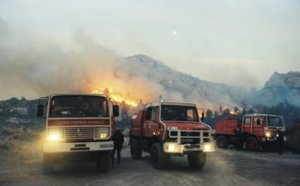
{"type": "Point", "coordinates": [172, 147]}
{"type": "Point", "coordinates": [268, 134]}
{"type": "Point", "coordinates": [55, 135]}
{"type": "Point", "coordinates": [208, 147]}
{"type": "Point", "coordinates": [102, 133]}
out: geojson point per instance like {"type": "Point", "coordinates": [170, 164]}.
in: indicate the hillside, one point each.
{"type": "Point", "coordinates": [279, 88]}
{"type": "Point", "coordinates": [177, 86]}
{"type": "Point", "coordinates": [19, 113]}
{"type": "Point", "coordinates": [173, 85]}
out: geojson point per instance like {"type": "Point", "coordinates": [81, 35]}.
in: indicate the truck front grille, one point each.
{"type": "Point", "coordinates": [79, 133]}
{"type": "Point", "coordinates": [190, 136]}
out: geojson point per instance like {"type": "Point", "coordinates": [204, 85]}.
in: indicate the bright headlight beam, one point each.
{"type": "Point", "coordinates": [268, 134]}
{"type": "Point", "coordinates": [207, 147]}
{"type": "Point", "coordinates": [54, 136]}
{"type": "Point", "coordinates": [171, 148]}
{"type": "Point", "coordinates": [102, 133]}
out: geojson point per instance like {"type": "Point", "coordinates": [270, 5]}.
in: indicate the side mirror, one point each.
{"type": "Point", "coordinates": [40, 110]}
{"type": "Point", "coordinates": [202, 116]}
{"type": "Point", "coordinates": [116, 109]}
{"type": "Point", "coordinates": [202, 113]}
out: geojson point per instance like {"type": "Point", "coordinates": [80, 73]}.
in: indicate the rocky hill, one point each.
{"type": "Point", "coordinates": [279, 88]}
{"type": "Point", "coordinates": [173, 85]}
{"type": "Point", "coordinates": [176, 86]}
{"type": "Point", "coordinates": [19, 113]}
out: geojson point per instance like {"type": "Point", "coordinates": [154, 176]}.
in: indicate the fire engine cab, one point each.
{"type": "Point", "coordinates": [78, 128]}
{"type": "Point", "coordinates": [257, 130]}
{"type": "Point", "coordinates": [166, 129]}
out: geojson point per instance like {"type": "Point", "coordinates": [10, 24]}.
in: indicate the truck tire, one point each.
{"type": "Point", "coordinates": [252, 144]}
{"type": "Point", "coordinates": [104, 161]}
{"type": "Point", "coordinates": [196, 160]}
{"type": "Point", "coordinates": [48, 164]}
{"type": "Point", "coordinates": [135, 149]}
{"type": "Point", "coordinates": [222, 142]}
{"type": "Point", "coordinates": [159, 157]}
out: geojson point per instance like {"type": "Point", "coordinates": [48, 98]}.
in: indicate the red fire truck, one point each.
{"type": "Point", "coordinates": [78, 128]}
{"type": "Point", "coordinates": [164, 129]}
{"type": "Point", "coordinates": [257, 130]}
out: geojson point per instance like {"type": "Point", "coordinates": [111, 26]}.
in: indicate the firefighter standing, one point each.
{"type": "Point", "coordinates": [239, 139]}
{"type": "Point", "coordinates": [118, 140]}
{"type": "Point", "coordinates": [280, 141]}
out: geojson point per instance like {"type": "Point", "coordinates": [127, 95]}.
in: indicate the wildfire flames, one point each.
{"type": "Point", "coordinates": [116, 96]}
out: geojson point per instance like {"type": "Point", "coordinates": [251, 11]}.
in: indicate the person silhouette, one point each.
{"type": "Point", "coordinates": [279, 140]}
{"type": "Point", "coordinates": [118, 139]}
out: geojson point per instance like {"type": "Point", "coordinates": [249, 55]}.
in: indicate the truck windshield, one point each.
{"type": "Point", "coordinates": [78, 106]}
{"type": "Point", "coordinates": [178, 113]}
{"type": "Point", "coordinates": [275, 121]}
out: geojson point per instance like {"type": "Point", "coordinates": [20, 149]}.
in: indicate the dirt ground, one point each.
{"type": "Point", "coordinates": [22, 166]}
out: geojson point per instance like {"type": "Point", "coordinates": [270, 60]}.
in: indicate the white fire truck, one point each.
{"type": "Point", "coordinates": [78, 128]}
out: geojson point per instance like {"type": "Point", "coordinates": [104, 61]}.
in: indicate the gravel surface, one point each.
{"type": "Point", "coordinates": [223, 167]}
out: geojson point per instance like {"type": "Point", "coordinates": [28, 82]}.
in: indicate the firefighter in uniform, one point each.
{"type": "Point", "coordinates": [118, 139]}
{"type": "Point", "coordinates": [239, 139]}
{"type": "Point", "coordinates": [280, 140]}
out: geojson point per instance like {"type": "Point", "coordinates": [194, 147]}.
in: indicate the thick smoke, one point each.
{"type": "Point", "coordinates": [33, 67]}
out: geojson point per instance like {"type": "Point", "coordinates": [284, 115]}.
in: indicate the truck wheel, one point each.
{"type": "Point", "coordinates": [196, 160]}
{"type": "Point", "coordinates": [252, 144]}
{"type": "Point", "coordinates": [135, 149]}
{"type": "Point", "coordinates": [48, 164]}
{"type": "Point", "coordinates": [104, 161]}
{"type": "Point", "coordinates": [222, 142]}
{"type": "Point", "coordinates": [159, 157]}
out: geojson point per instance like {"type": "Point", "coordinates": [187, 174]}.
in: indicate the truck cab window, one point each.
{"type": "Point", "coordinates": [153, 114]}
{"type": "Point", "coordinates": [275, 121]}
{"type": "Point", "coordinates": [148, 113]}
{"type": "Point", "coordinates": [257, 121]}
{"type": "Point", "coordinates": [178, 113]}
{"type": "Point", "coordinates": [78, 106]}
{"type": "Point", "coordinates": [192, 115]}
{"type": "Point", "coordinates": [247, 120]}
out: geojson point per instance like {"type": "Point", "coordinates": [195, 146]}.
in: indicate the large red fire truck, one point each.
{"type": "Point", "coordinates": [257, 130]}
{"type": "Point", "coordinates": [78, 128]}
{"type": "Point", "coordinates": [165, 129]}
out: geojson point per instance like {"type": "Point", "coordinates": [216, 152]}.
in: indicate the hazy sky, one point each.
{"type": "Point", "coordinates": [237, 42]}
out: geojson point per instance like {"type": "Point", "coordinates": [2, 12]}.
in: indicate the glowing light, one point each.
{"type": "Point", "coordinates": [208, 147]}
{"type": "Point", "coordinates": [55, 135]}
{"type": "Point", "coordinates": [268, 134]}
{"type": "Point", "coordinates": [172, 147]}
{"type": "Point", "coordinates": [174, 33]}
{"type": "Point", "coordinates": [116, 96]}
{"type": "Point", "coordinates": [232, 112]}
{"type": "Point", "coordinates": [103, 135]}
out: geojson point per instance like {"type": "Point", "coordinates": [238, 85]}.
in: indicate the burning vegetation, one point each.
{"type": "Point", "coordinates": [117, 96]}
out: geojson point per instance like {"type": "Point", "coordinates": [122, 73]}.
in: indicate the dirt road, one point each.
{"type": "Point", "coordinates": [224, 167]}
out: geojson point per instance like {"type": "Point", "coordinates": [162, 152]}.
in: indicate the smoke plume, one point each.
{"type": "Point", "coordinates": [33, 67]}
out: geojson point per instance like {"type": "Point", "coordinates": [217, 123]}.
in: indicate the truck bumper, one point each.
{"type": "Point", "coordinates": [60, 147]}
{"type": "Point", "coordinates": [171, 147]}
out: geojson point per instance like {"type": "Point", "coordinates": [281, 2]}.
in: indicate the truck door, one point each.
{"type": "Point", "coordinates": [258, 126]}
{"type": "Point", "coordinates": [150, 124]}
{"type": "Point", "coordinates": [247, 125]}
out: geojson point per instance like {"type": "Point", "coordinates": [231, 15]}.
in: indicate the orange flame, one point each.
{"type": "Point", "coordinates": [116, 96]}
